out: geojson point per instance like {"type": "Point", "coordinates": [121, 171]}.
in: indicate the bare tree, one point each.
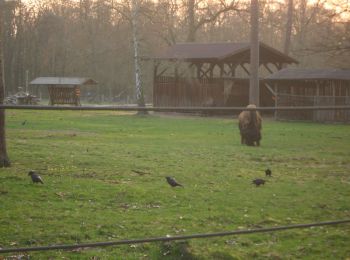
{"type": "Point", "coordinates": [4, 159]}
{"type": "Point", "coordinates": [289, 23]}
{"type": "Point", "coordinates": [207, 14]}
{"type": "Point", "coordinates": [138, 73]}
{"type": "Point", "coordinates": [95, 37]}
{"type": "Point", "coordinates": [254, 53]}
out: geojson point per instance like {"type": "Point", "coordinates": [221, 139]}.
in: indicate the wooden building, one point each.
{"type": "Point", "coordinates": [211, 74]}
{"type": "Point", "coordinates": [63, 90]}
{"type": "Point", "coordinates": [311, 87]}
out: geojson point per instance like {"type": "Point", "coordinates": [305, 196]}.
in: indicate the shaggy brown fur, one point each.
{"type": "Point", "coordinates": [250, 124]}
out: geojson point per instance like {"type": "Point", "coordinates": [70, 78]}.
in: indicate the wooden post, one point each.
{"type": "Point", "coordinates": [77, 95]}
{"type": "Point", "coordinates": [155, 89]}
{"type": "Point", "coordinates": [254, 96]}
{"type": "Point", "coordinates": [347, 101]}
{"type": "Point", "coordinates": [276, 101]}
{"type": "Point", "coordinates": [316, 100]}
{"type": "Point", "coordinates": [4, 159]}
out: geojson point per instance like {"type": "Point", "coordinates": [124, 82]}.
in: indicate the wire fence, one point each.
{"type": "Point", "coordinates": [174, 109]}
{"type": "Point", "coordinates": [171, 238]}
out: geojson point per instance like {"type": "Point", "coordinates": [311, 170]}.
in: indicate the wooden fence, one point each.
{"type": "Point", "coordinates": [188, 92]}
{"type": "Point", "coordinates": [283, 100]}
{"type": "Point", "coordinates": [64, 95]}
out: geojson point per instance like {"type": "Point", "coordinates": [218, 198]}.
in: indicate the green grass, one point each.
{"type": "Point", "coordinates": [92, 194]}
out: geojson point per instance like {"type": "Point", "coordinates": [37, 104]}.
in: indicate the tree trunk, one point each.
{"type": "Point", "coordinates": [138, 73]}
{"type": "Point", "coordinates": [191, 37]}
{"type": "Point", "coordinates": [254, 53]}
{"type": "Point", "coordinates": [302, 23]}
{"type": "Point", "coordinates": [4, 160]}
{"type": "Point", "coordinates": [289, 24]}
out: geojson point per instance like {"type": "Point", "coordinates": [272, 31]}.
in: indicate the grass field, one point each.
{"type": "Point", "coordinates": [94, 191]}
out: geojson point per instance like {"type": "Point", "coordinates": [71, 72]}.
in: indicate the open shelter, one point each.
{"type": "Point", "coordinates": [211, 74]}
{"type": "Point", "coordinates": [312, 87]}
{"type": "Point", "coordinates": [63, 90]}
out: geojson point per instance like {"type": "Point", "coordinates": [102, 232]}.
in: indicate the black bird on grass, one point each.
{"type": "Point", "coordinates": [172, 182]}
{"type": "Point", "coordinates": [35, 177]}
{"type": "Point", "coordinates": [258, 182]}
{"type": "Point", "coordinates": [268, 172]}
{"type": "Point", "coordinates": [24, 122]}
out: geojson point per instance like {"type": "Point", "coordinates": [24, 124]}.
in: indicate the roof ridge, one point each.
{"type": "Point", "coordinates": [195, 43]}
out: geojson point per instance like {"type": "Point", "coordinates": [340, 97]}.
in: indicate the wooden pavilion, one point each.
{"type": "Point", "coordinates": [311, 87]}
{"type": "Point", "coordinates": [211, 74]}
{"type": "Point", "coordinates": [63, 90]}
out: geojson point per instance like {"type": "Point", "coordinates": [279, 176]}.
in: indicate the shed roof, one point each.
{"type": "Point", "coordinates": [209, 52]}
{"type": "Point", "coordinates": [310, 74]}
{"type": "Point", "coordinates": [63, 81]}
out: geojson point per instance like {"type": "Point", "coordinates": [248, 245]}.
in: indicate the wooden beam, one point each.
{"type": "Point", "coordinates": [161, 73]}
{"type": "Point", "coordinates": [225, 73]}
{"type": "Point", "coordinates": [212, 67]}
{"type": "Point", "coordinates": [221, 66]}
{"type": "Point", "coordinates": [267, 67]}
{"type": "Point", "coordinates": [245, 69]}
{"type": "Point", "coordinates": [205, 72]}
{"type": "Point", "coordinates": [199, 69]}
{"type": "Point", "coordinates": [233, 69]}
{"type": "Point", "coordinates": [278, 65]}
{"type": "Point", "coordinates": [208, 72]}
{"type": "Point", "coordinates": [270, 89]}
{"type": "Point", "coordinates": [155, 70]}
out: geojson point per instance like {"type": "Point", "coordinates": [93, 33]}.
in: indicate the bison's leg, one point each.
{"type": "Point", "coordinates": [259, 138]}
{"type": "Point", "coordinates": [250, 143]}
{"type": "Point", "coordinates": [242, 139]}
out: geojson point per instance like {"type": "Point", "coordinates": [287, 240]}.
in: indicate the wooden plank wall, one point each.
{"type": "Point", "coordinates": [288, 100]}
{"type": "Point", "coordinates": [63, 95]}
{"type": "Point", "coordinates": [329, 93]}
{"type": "Point", "coordinates": [187, 92]}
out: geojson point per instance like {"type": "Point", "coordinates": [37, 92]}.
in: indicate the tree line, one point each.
{"type": "Point", "coordinates": [93, 38]}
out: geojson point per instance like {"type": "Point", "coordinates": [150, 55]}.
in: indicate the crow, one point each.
{"type": "Point", "coordinates": [35, 177]}
{"type": "Point", "coordinates": [268, 172]}
{"type": "Point", "coordinates": [172, 182]}
{"type": "Point", "coordinates": [258, 182]}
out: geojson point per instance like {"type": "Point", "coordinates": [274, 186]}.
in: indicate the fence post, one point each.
{"type": "Point", "coordinates": [276, 105]}
{"type": "Point", "coordinates": [314, 116]}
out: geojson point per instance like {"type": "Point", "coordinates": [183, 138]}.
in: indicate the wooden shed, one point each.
{"type": "Point", "coordinates": [63, 90]}
{"type": "Point", "coordinates": [312, 87]}
{"type": "Point", "coordinates": [211, 74]}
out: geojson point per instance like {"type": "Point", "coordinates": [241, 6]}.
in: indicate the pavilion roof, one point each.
{"type": "Point", "coordinates": [221, 52]}
{"type": "Point", "coordinates": [63, 81]}
{"type": "Point", "coordinates": [310, 74]}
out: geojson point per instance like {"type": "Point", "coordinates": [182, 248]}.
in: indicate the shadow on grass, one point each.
{"type": "Point", "coordinates": [182, 250]}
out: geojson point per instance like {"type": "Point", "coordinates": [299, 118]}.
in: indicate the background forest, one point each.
{"type": "Point", "coordinates": [93, 38]}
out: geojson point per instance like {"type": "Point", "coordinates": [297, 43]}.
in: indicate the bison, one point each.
{"type": "Point", "coordinates": [250, 123]}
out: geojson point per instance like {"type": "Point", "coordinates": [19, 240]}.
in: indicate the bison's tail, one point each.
{"type": "Point", "coordinates": [253, 119]}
